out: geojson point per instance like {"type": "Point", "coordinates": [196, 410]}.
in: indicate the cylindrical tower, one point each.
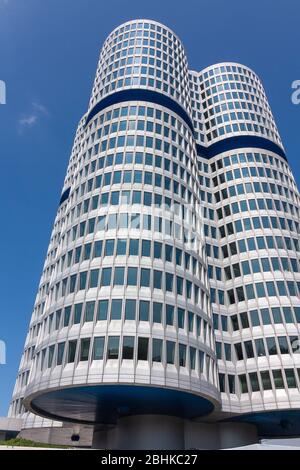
{"type": "Point", "coordinates": [171, 286]}
{"type": "Point", "coordinates": [253, 248]}
{"type": "Point", "coordinates": [122, 322]}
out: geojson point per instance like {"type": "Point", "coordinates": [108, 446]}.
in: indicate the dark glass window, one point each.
{"type": "Point", "coordinates": [157, 345]}
{"type": "Point", "coordinates": [128, 347]}
{"type": "Point", "coordinates": [278, 380]}
{"type": "Point", "coordinates": [72, 351]}
{"type": "Point", "coordinates": [116, 309]}
{"type": "Point", "coordinates": [254, 381]}
{"type": "Point", "coordinates": [243, 383]}
{"type": "Point", "coordinates": [102, 310]}
{"type": "Point", "coordinates": [157, 312]}
{"type": "Point", "coordinates": [60, 353]}
{"type": "Point", "coordinates": [182, 355]}
{"type": "Point", "coordinates": [143, 349]}
{"type": "Point", "coordinates": [144, 310]}
{"type": "Point", "coordinates": [130, 307]}
{"type": "Point", "coordinates": [170, 352]}
{"type": "Point", "coordinates": [84, 349]}
{"type": "Point", "coordinates": [266, 381]}
{"type": "Point", "coordinates": [290, 378]}
{"type": "Point", "coordinates": [113, 347]}
{"type": "Point", "coordinates": [89, 311]}
{"type": "Point", "coordinates": [98, 348]}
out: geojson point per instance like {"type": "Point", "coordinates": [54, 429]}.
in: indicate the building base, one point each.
{"type": "Point", "coordinates": [9, 428]}
{"type": "Point", "coordinates": [156, 432]}
{"type": "Point", "coordinates": [72, 435]}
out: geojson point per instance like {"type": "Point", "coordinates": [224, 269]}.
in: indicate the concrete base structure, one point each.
{"type": "Point", "coordinates": [9, 428]}
{"type": "Point", "coordinates": [67, 435]}
{"type": "Point", "coordinates": [154, 432]}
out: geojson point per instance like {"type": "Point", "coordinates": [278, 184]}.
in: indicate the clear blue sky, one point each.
{"type": "Point", "coordinates": [48, 56]}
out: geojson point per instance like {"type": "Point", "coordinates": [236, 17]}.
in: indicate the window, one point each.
{"type": "Point", "coordinates": [60, 353]}
{"type": "Point", "coordinates": [243, 383]}
{"type": "Point", "coordinates": [121, 247]}
{"type": "Point", "coordinates": [180, 317]}
{"type": "Point", "coordinates": [254, 318]}
{"type": "Point", "coordinates": [134, 247]}
{"type": "Point", "coordinates": [260, 347]}
{"type": "Point", "coordinates": [145, 277]}
{"type": "Point", "coordinates": [132, 277]}
{"type": "Point", "coordinates": [72, 351]}
{"type": "Point", "coordinates": [146, 248]}
{"type": "Point", "coordinates": [89, 311]}
{"type": "Point", "coordinates": [283, 345]}
{"type": "Point", "coordinates": [182, 355]}
{"type": "Point", "coordinates": [94, 276]}
{"type": "Point", "coordinates": [157, 312]}
{"type": "Point", "coordinates": [170, 352]}
{"type": "Point", "coordinates": [128, 347]}
{"type": "Point", "coordinates": [119, 276]}
{"type": "Point", "coordinates": [157, 345]}
{"type": "Point", "coordinates": [271, 346]}
{"type": "Point", "coordinates": [157, 279]}
{"type": "Point", "coordinates": [67, 315]}
{"type": "Point", "coordinates": [77, 313]}
{"type": "Point", "coordinates": [84, 349]}
{"type": "Point", "coordinates": [249, 349]}
{"type": "Point", "coordinates": [82, 280]}
{"type": "Point", "coordinates": [222, 382]}
{"type": "Point", "coordinates": [130, 307]}
{"type": "Point", "coordinates": [144, 310]}
{"type": "Point", "coordinates": [278, 380]}
{"type": "Point", "coordinates": [169, 314]}
{"type": "Point", "coordinates": [106, 277]}
{"type": "Point", "coordinates": [143, 349]}
{"type": "Point", "coordinates": [50, 357]}
{"type": "Point", "coordinates": [98, 350]}
{"type": "Point", "coordinates": [169, 282]}
{"type": "Point", "coordinates": [116, 309]}
{"type": "Point", "coordinates": [102, 310]}
{"type": "Point", "coordinates": [290, 378]}
{"type": "Point", "coordinates": [239, 351]}
{"type": "Point", "coordinates": [113, 347]}
{"type": "Point", "coordinates": [266, 381]}
{"type": "Point", "coordinates": [254, 381]}
{"type": "Point", "coordinates": [192, 358]}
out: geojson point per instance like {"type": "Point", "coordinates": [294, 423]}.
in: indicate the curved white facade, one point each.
{"type": "Point", "coordinates": [172, 173]}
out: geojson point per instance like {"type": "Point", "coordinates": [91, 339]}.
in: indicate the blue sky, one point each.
{"type": "Point", "coordinates": [48, 56]}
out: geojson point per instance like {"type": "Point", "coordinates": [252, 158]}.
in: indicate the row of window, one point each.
{"type": "Point", "coordinates": [259, 381]}
{"type": "Point", "coordinates": [255, 318]}
{"type": "Point", "coordinates": [129, 276]}
{"type": "Point", "coordinates": [256, 205]}
{"type": "Point", "coordinates": [251, 172]}
{"type": "Point", "coordinates": [168, 229]}
{"type": "Point", "coordinates": [263, 289]}
{"type": "Point", "coordinates": [246, 245]}
{"type": "Point", "coordinates": [259, 347]}
{"type": "Point", "coordinates": [261, 265]}
{"type": "Point", "coordinates": [126, 348]}
{"type": "Point", "coordinates": [128, 310]}
{"type": "Point", "coordinates": [132, 247]}
{"type": "Point", "coordinates": [268, 380]}
{"type": "Point", "coordinates": [258, 187]}
{"type": "Point", "coordinates": [127, 196]}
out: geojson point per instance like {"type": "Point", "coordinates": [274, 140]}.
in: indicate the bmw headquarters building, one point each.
{"type": "Point", "coordinates": [168, 310]}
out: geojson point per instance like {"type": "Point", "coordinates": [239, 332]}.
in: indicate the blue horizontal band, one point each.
{"type": "Point", "coordinates": [139, 94]}
{"type": "Point", "coordinates": [239, 142]}
{"type": "Point", "coordinates": [224, 145]}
